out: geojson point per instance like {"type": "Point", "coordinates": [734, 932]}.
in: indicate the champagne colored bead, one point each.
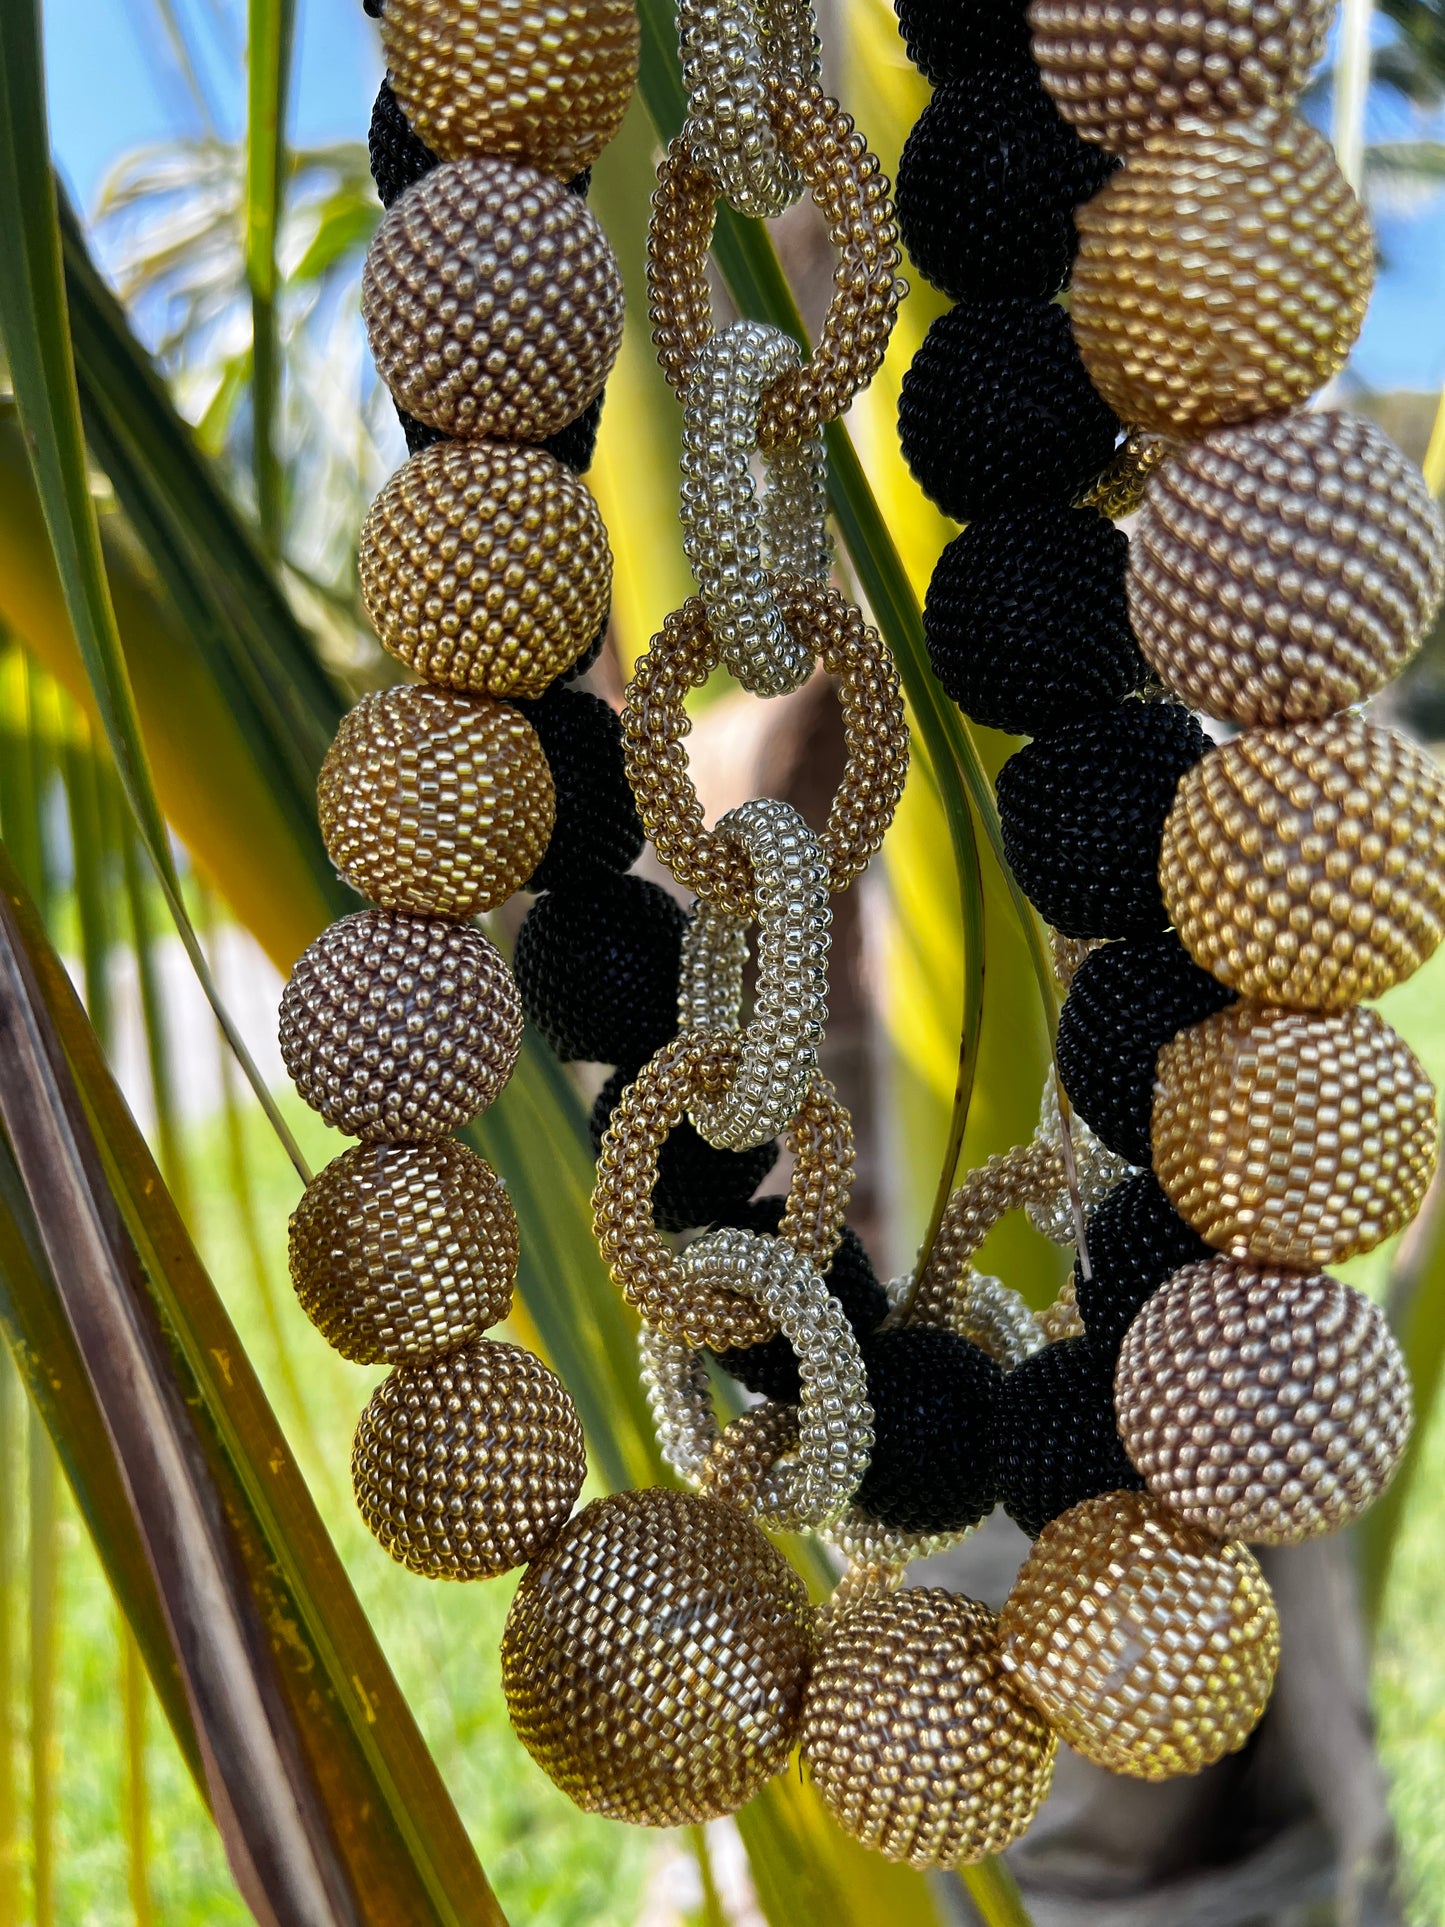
{"type": "Point", "coordinates": [401, 1027]}
{"type": "Point", "coordinates": [1124, 483]}
{"type": "Point", "coordinates": [1259, 1404]}
{"type": "Point", "coordinates": [549, 84]}
{"type": "Point", "coordinates": [485, 567]}
{"type": "Point", "coordinates": [1147, 1647]}
{"type": "Point", "coordinates": [1284, 570]}
{"type": "Point", "coordinates": [729, 50]}
{"type": "Point", "coordinates": [1306, 865]}
{"type": "Point", "coordinates": [916, 1738]}
{"type": "Point", "coordinates": [400, 1251]}
{"type": "Point", "coordinates": [469, 1464]}
{"type": "Point", "coordinates": [1294, 1138]}
{"type": "Point", "coordinates": [1122, 70]}
{"type": "Point", "coordinates": [654, 1661]}
{"type": "Point", "coordinates": [435, 802]}
{"type": "Point", "coordinates": [492, 301]}
{"type": "Point", "coordinates": [1223, 274]}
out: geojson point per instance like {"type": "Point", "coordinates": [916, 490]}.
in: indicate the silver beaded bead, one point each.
{"type": "Point", "coordinates": [728, 49]}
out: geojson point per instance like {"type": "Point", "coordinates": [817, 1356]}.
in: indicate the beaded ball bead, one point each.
{"type": "Point", "coordinates": [932, 1394]}
{"type": "Point", "coordinates": [1053, 1435]}
{"type": "Point", "coordinates": [549, 84]}
{"type": "Point", "coordinates": [1223, 274]}
{"type": "Point", "coordinates": [654, 1661]}
{"type": "Point", "coordinates": [485, 567]}
{"type": "Point", "coordinates": [1305, 864]}
{"type": "Point", "coordinates": [1295, 1137]}
{"type": "Point", "coordinates": [1121, 71]}
{"type": "Point", "coordinates": [949, 39]}
{"type": "Point", "coordinates": [696, 1183]}
{"type": "Point", "coordinates": [597, 965]}
{"type": "Point", "coordinates": [402, 1027]}
{"type": "Point", "coordinates": [1147, 1647]}
{"type": "Point", "coordinates": [1262, 1405]}
{"type": "Point", "coordinates": [1282, 570]}
{"type": "Point", "coordinates": [596, 826]}
{"type": "Point", "coordinates": [402, 1250]}
{"type": "Point", "coordinates": [468, 1464]}
{"type": "Point", "coordinates": [492, 301]}
{"type": "Point", "coordinates": [435, 802]}
{"type": "Point", "coordinates": [916, 1738]}
{"type": "Point", "coordinates": [398, 158]}
{"type": "Point", "coordinates": [1136, 1240]}
{"type": "Point", "coordinates": [1082, 812]}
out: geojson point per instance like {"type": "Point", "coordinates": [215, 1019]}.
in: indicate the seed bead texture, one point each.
{"type": "Point", "coordinates": [596, 825]}
{"type": "Point", "coordinates": [654, 1661]}
{"type": "Point", "coordinates": [932, 1394]}
{"type": "Point", "coordinates": [597, 965]}
{"type": "Point", "coordinates": [694, 1183]}
{"type": "Point", "coordinates": [728, 50]}
{"type": "Point", "coordinates": [1053, 1436]}
{"type": "Point", "coordinates": [1147, 1647]}
{"type": "Point", "coordinates": [950, 39]}
{"type": "Point", "coordinates": [1137, 1240]}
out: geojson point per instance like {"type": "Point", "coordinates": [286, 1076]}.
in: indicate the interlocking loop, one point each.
{"type": "Point", "coordinates": [731, 537]}
{"type": "Point", "coordinates": [730, 49]}
{"type": "Point", "coordinates": [655, 725]}
{"type": "Point", "coordinates": [852, 193]}
{"type": "Point", "coordinates": [645, 1269]}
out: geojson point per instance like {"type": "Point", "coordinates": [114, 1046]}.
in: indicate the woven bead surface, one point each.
{"type": "Point", "coordinates": [728, 49]}
{"type": "Point", "coordinates": [932, 1394]}
{"type": "Point", "coordinates": [1285, 569]}
{"type": "Point", "coordinates": [1026, 620]}
{"type": "Point", "coordinates": [694, 1184]}
{"type": "Point", "coordinates": [654, 1662]}
{"type": "Point", "coordinates": [514, 76]}
{"type": "Point", "coordinates": [468, 1464]}
{"type": "Point", "coordinates": [485, 567]}
{"type": "Point", "coordinates": [1083, 812]}
{"type": "Point", "coordinates": [596, 826]}
{"type": "Point", "coordinates": [435, 802]}
{"type": "Point", "coordinates": [1121, 71]}
{"type": "Point", "coordinates": [398, 158]}
{"type": "Point", "coordinates": [1136, 1240]}
{"type": "Point", "coordinates": [950, 39]}
{"type": "Point", "coordinates": [399, 1251]}
{"type": "Point", "coordinates": [1053, 1435]}
{"type": "Point", "coordinates": [398, 1026]}
{"type": "Point", "coordinates": [915, 1736]}
{"type": "Point", "coordinates": [1148, 1647]}
{"type": "Point", "coordinates": [492, 301]}
{"type": "Point", "coordinates": [1125, 1002]}
{"type": "Point", "coordinates": [1305, 864]}
{"type": "Point", "coordinates": [1294, 1137]}
{"type": "Point", "coordinates": [997, 410]}
{"type": "Point", "coordinates": [1223, 274]}
{"type": "Point", "coordinates": [1119, 487]}
{"type": "Point", "coordinates": [597, 966]}
{"type": "Point", "coordinates": [1263, 1405]}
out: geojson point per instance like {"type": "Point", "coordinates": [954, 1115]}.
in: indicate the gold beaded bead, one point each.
{"type": "Point", "coordinates": [492, 301]}
{"type": "Point", "coordinates": [468, 1464]}
{"type": "Point", "coordinates": [1120, 70]}
{"type": "Point", "coordinates": [436, 802]}
{"type": "Point", "coordinates": [1148, 1647]}
{"type": "Point", "coordinates": [1306, 865]}
{"type": "Point", "coordinates": [915, 1736]}
{"type": "Point", "coordinates": [1124, 483]}
{"type": "Point", "coordinates": [654, 1661]}
{"type": "Point", "coordinates": [402, 1027]}
{"type": "Point", "coordinates": [1263, 1405]}
{"type": "Point", "coordinates": [1223, 274]}
{"type": "Point", "coordinates": [1284, 570]}
{"type": "Point", "coordinates": [547, 83]}
{"type": "Point", "coordinates": [1294, 1138]}
{"type": "Point", "coordinates": [399, 1251]}
{"type": "Point", "coordinates": [485, 567]}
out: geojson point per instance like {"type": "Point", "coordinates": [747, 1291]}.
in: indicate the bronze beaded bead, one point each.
{"type": "Point", "coordinates": [492, 301]}
{"type": "Point", "coordinates": [1306, 865]}
{"type": "Point", "coordinates": [1262, 1405]}
{"type": "Point", "coordinates": [654, 1661]}
{"type": "Point", "coordinates": [401, 1027]}
{"type": "Point", "coordinates": [916, 1738]}
{"type": "Point", "coordinates": [1148, 1647]}
{"type": "Point", "coordinates": [468, 1464]}
{"type": "Point", "coordinates": [485, 567]}
{"type": "Point", "coordinates": [1223, 274]}
{"type": "Point", "coordinates": [1286, 569]}
{"type": "Point", "coordinates": [399, 1251]}
{"type": "Point", "coordinates": [1293, 1137]}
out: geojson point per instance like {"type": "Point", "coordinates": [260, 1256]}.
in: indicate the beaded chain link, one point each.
{"type": "Point", "coordinates": [730, 51]}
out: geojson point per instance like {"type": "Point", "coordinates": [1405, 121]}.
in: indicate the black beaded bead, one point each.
{"type": "Point", "coordinates": [1082, 812]}
{"type": "Point", "coordinates": [1137, 1240]}
{"type": "Point", "coordinates": [947, 39]}
{"type": "Point", "coordinates": [1126, 1001]}
{"type": "Point", "coordinates": [696, 1183]}
{"type": "Point", "coordinates": [419, 435]}
{"type": "Point", "coordinates": [399, 158]}
{"type": "Point", "coordinates": [1027, 620]}
{"type": "Point", "coordinates": [932, 1394]}
{"type": "Point", "coordinates": [575, 444]}
{"type": "Point", "coordinates": [997, 410]}
{"type": "Point", "coordinates": [597, 826]}
{"type": "Point", "coordinates": [581, 184]}
{"type": "Point", "coordinates": [1055, 1442]}
{"type": "Point", "coordinates": [597, 966]}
